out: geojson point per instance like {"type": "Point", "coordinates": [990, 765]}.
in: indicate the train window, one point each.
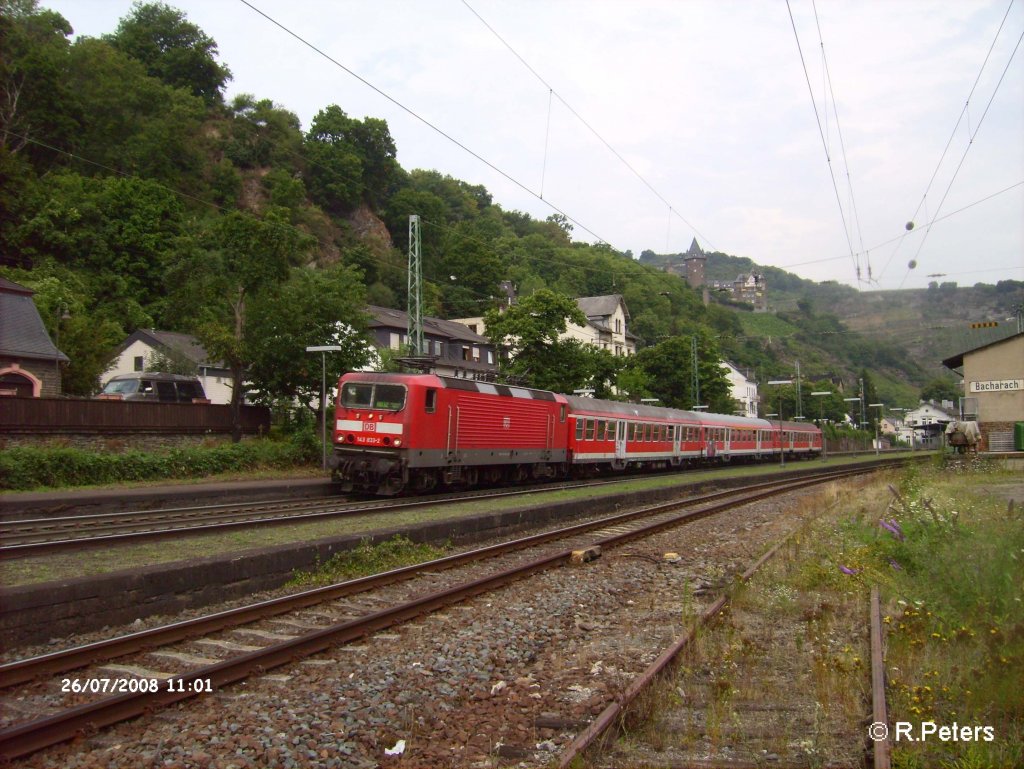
{"type": "Point", "coordinates": [579, 429]}
{"type": "Point", "coordinates": [600, 430]}
{"type": "Point", "coordinates": [431, 402]}
{"type": "Point", "coordinates": [562, 413]}
{"type": "Point", "coordinates": [613, 431]}
{"type": "Point", "coordinates": [647, 432]}
{"type": "Point", "coordinates": [631, 434]}
{"type": "Point", "coordinates": [387, 397]}
{"type": "Point", "coordinates": [590, 430]}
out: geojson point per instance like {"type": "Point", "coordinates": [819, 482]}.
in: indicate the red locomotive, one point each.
{"type": "Point", "coordinates": [417, 432]}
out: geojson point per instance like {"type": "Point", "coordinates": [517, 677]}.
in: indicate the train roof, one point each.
{"type": "Point", "coordinates": [581, 404]}
{"type": "Point", "coordinates": [455, 383]}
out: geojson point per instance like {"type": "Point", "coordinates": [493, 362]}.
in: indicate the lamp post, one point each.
{"type": "Point", "coordinates": [323, 349]}
{"type": "Point", "coordinates": [878, 418]}
{"type": "Point", "coordinates": [821, 420]}
{"type": "Point", "coordinates": [782, 448]}
{"type": "Point", "coordinates": [853, 400]}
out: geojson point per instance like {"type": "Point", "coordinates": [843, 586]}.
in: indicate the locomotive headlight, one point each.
{"type": "Point", "coordinates": [398, 442]}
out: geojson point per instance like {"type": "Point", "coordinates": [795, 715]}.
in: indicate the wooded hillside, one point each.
{"type": "Point", "coordinates": [132, 194]}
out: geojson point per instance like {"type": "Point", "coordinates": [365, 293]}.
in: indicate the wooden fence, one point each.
{"type": "Point", "coordinates": [56, 416]}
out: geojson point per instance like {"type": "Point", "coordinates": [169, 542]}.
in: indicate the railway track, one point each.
{"type": "Point", "coordinates": [25, 536]}
{"type": "Point", "coordinates": [38, 536]}
{"type": "Point", "coordinates": [308, 623]}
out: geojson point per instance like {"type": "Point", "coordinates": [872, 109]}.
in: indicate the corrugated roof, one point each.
{"type": "Point", "coordinates": [957, 361]}
{"type": "Point", "coordinates": [22, 333]}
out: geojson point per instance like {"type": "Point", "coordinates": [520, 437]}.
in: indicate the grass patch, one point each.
{"type": "Point", "coordinates": [366, 559]}
{"type": "Point", "coordinates": [949, 558]}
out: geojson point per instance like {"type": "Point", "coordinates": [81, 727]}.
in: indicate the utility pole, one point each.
{"type": "Point", "coordinates": [415, 297]}
{"type": "Point", "coordinates": [799, 399]}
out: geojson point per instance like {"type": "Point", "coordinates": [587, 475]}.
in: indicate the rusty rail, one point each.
{"type": "Point", "coordinates": [880, 717]}
{"type": "Point", "coordinates": [610, 714]}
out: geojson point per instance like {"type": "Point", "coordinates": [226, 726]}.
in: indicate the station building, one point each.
{"type": "Point", "coordinates": [993, 389]}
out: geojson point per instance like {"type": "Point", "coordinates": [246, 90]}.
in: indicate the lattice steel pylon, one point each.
{"type": "Point", "coordinates": [695, 379]}
{"type": "Point", "coordinates": [415, 301]}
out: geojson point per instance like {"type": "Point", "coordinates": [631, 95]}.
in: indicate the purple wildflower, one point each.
{"type": "Point", "coordinates": [895, 565]}
{"type": "Point", "coordinates": [892, 527]}
{"type": "Point", "coordinates": [847, 570]}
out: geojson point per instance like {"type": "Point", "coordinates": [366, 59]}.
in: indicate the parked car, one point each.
{"type": "Point", "coordinates": [155, 387]}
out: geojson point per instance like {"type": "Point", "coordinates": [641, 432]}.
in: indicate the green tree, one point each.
{"type": "Point", "coordinates": [242, 257]}
{"type": "Point", "coordinates": [669, 368]}
{"type": "Point", "coordinates": [940, 389]}
{"type": "Point", "coordinates": [118, 233]}
{"type": "Point", "coordinates": [132, 123]}
{"type": "Point", "coordinates": [172, 49]}
{"type": "Point", "coordinates": [311, 308]}
{"type": "Point", "coordinates": [530, 331]}
{"type": "Point", "coordinates": [34, 87]}
{"type": "Point", "coordinates": [350, 161]}
{"type": "Point", "coordinates": [262, 133]}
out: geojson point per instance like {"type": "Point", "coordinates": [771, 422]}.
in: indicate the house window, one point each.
{"type": "Point", "coordinates": [140, 363]}
{"type": "Point", "coordinates": [618, 325]}
{"type": "Point", "coordinates": [490, 357]}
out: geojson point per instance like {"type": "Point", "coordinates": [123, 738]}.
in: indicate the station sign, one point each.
{"type": "Point", "coordinates": [997, 386]}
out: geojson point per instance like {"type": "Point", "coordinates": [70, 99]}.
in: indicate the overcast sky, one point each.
{"type": "Point", "coordinates": [707, 102]}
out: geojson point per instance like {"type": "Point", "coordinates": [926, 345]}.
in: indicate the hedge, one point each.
{"type": "Point", "coordinates": [25, 467]}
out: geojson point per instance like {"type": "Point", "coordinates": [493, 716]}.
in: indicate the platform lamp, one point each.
{"type": "Point", "coordinates": [323, 349]}
{"type": "Point", "coordinates": [878, 419]}
{"type": "Point", "coordinates": [782, 448]}
{"type": "Point", "coordinates": [821, 420]}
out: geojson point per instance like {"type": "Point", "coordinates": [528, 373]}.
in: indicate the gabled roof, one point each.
{"type": "Point", "coordinates": [185, 345]}
{"type": "Point", "coordinates": [602, 306]}
{"type": "Point", "coordinates": [22, 333]}
{"type": "Point", "coordinates": [385, 317]}
{"type": "Point", "coordinates": [956, 361]}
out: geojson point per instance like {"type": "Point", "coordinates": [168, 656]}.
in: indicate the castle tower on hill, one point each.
{"type": "Point", "coordinates": [695, 259]}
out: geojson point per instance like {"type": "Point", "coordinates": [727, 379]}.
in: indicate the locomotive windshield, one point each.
{"type": "Point", "coordinates": [367, 395]}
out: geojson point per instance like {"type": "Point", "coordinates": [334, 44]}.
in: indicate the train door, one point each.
{"type": "Point", "coordinates": [620, 439]}
{"type": "Point", "coordinates": [452, 445]}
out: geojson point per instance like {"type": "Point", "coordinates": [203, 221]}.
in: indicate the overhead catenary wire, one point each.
{"type": "Point", "coordinates": [963, 157]}
{"type": "Point", "coordinates": [551, 91]}
{"type": "Point", "coordinates": [846, 231]}
{"type": "Point", "coordinates": [423, 120]}
{"type": "Point", "coordinates": [827, 75]}
{"type": "Point", "coordinates": [924, 198]}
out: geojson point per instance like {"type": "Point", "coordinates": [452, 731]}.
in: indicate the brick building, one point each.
{"type": "Point", "coordinates": [30, 363]}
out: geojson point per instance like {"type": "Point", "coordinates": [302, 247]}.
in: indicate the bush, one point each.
{"type": "Point", "coordinates": [27, 467]}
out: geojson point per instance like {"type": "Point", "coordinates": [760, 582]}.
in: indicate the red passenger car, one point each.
{"type": "Point", "coordinates": [419, 431]}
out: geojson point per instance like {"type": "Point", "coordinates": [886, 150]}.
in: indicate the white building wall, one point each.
{"type": "Point", "coordinates": [742, 390]}
{"type": "Point", "coordinates": [217, 388]}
